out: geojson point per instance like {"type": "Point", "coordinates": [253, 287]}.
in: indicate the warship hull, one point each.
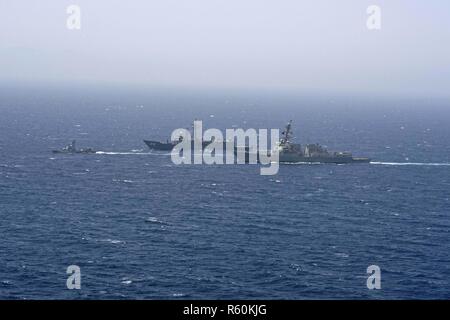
{"type": "Point", "coordinates": [168, 146]}
{"type": "Point", "coordinates": [159, 146]}
{"type": "Point", "coordinates": [297, 158]}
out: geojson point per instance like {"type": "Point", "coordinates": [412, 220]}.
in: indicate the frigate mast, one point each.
{"type": "Point", "coordinates": [287, 134]}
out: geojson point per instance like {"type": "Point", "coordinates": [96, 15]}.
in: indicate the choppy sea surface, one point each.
{"type": "Point", "coordinates": [140, 227]}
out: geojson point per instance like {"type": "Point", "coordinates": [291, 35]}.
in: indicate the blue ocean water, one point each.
{"type": "Point", "coordinates": [141, 227]}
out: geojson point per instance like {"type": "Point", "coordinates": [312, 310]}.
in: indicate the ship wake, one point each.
{"type": "Point", "coordinates": [132, 153]}
{"type": "Point", "coordinates": [411, 163]}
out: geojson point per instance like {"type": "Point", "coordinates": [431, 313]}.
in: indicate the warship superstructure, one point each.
{"type": "Point", "coordinates": [311, 153]}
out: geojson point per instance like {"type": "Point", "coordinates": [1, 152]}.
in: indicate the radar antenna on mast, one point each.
{"type": "Point", "coordinates": [287, 133]}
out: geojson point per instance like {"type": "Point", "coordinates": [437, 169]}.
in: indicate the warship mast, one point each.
{"type": "Point", "coordinates": [287, 134]}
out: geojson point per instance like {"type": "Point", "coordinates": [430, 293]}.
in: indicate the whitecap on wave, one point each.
{"type": "Point", "coordinates": [113, 241]}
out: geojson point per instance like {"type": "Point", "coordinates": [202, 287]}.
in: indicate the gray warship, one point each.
{"type": "Point", "coordinates": [311, 153]}
{"type": "Point", "coordinates": [162, 146]}
{"type": "Point", "coordinates": [294, 153]}
{"type": "Point", "coordinates": [71, 149]}
{"type": "Point", "coordinates": [169, 144]}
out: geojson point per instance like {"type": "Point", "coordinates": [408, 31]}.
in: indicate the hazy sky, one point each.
{"type": "Point", "coordinates": [306, 45]}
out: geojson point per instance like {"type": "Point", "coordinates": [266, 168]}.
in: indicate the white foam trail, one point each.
{"type": "Point", "coordinates": [132, 153]}
{"type": "Point", "coordinates": [410, 163]}
{"type": "Point", "coordinates": [302, 163]}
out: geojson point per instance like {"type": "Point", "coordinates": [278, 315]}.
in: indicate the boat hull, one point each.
{"type": "Point", "coordinates": [168, 146]}
{"type": "Point", "coordinates": [159, 146]}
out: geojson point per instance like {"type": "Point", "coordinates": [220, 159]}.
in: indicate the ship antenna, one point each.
{"type": "Point", "coordinates": [288, 131]}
